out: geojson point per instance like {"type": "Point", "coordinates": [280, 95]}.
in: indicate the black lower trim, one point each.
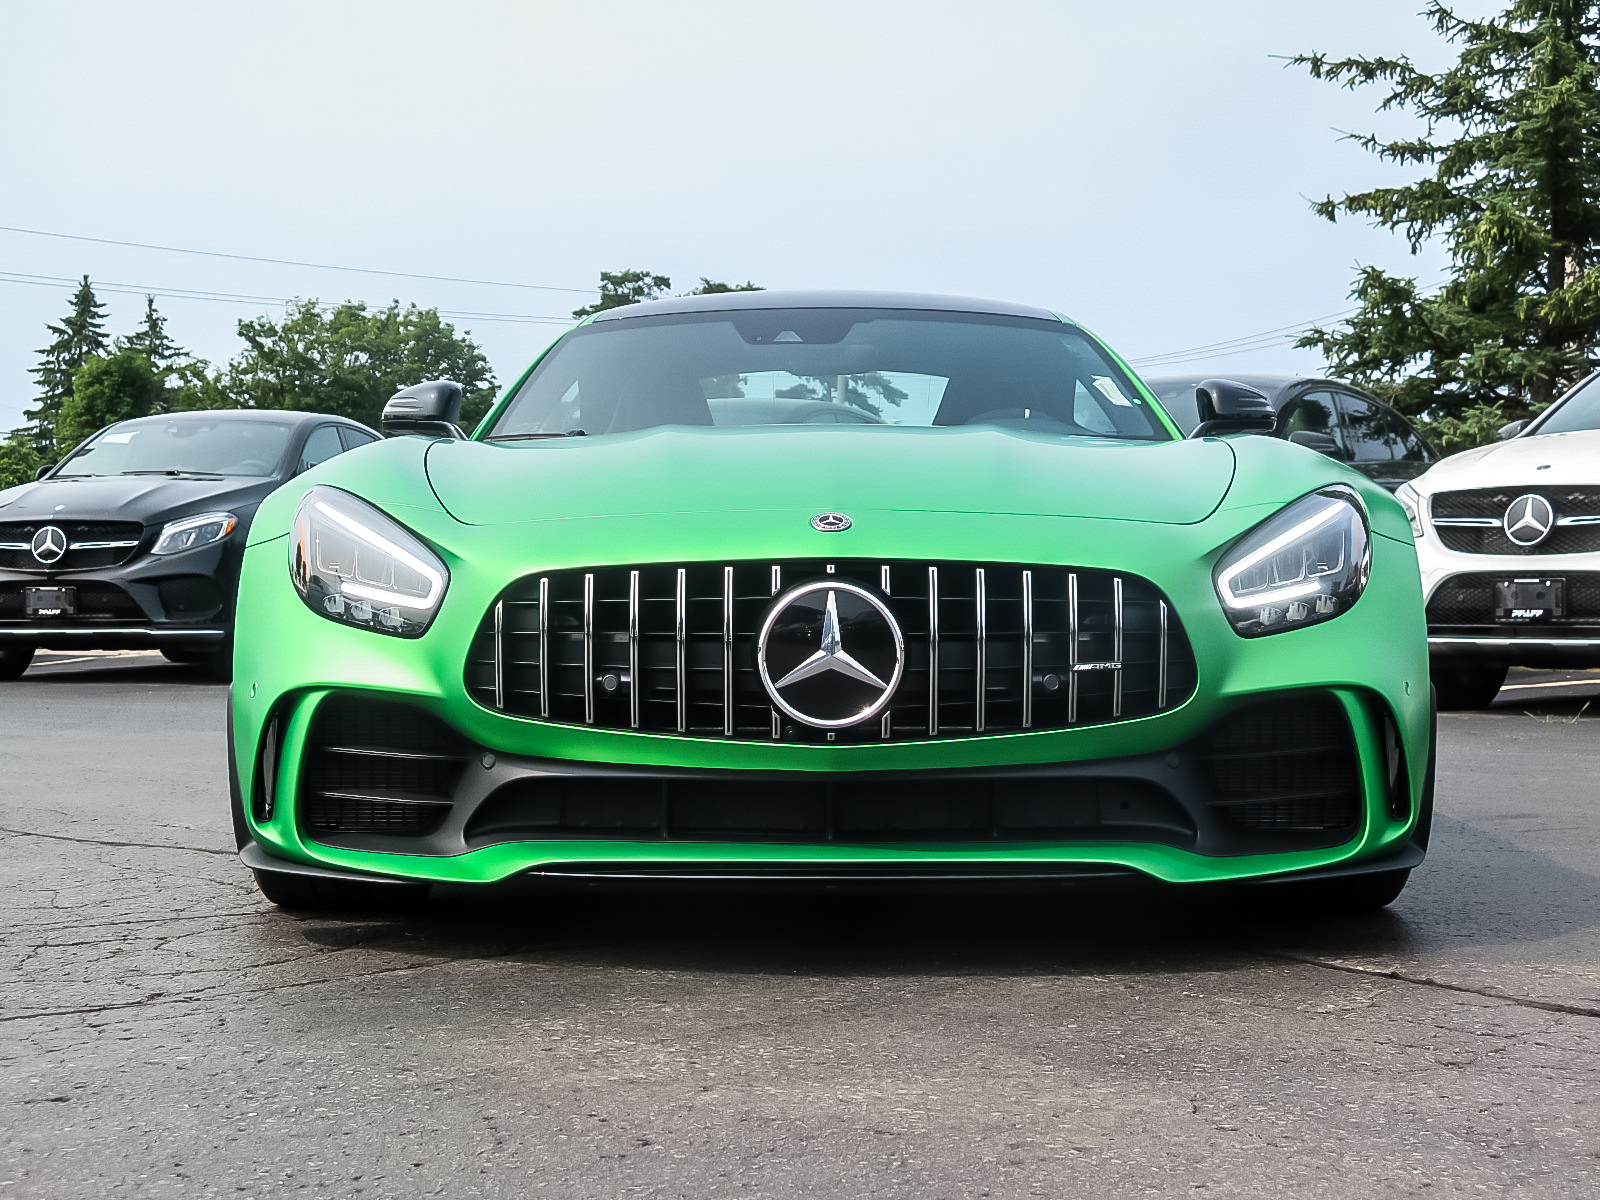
{"type": "Point", "coordinates": [257, 859]}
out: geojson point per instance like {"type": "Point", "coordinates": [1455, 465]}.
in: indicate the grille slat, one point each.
{"type": "Point", "coordinates": [990, 649]}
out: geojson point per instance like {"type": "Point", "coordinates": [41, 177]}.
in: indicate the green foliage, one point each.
{"type": "Point", "coordinates": [80, 335]}
{"type": "Point", "coordinates": [1512, 137]}
{"type": "Point", "coordinates": [625, 287]}
{"type": "Point", "coordinates": [345, 360]}
{"type": "Point", "coordinates": [106, 389]}
{"type": "Point", "coordinates": [151, 338]}
{"type": "Point", "coordinates": [710, 287]}
{"type": "Point", "coordinates": [18, 460]}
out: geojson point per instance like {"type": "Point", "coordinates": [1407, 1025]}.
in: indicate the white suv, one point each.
{"type": "Point", "coordinates": [1508, 537]}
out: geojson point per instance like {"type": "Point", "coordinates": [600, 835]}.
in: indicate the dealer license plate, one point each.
{"type": "Point", "coordinates": [50, 602]}
{"type": "Point", "coordinates": [1529, 599]}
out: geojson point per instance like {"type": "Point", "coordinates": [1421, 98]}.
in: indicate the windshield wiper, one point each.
{"type": "Point", "coordinates": [528, 437]}
{"type": "Point", "coordinates": [174, 472]}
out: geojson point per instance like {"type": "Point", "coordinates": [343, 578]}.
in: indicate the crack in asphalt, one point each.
{"type": "Point", "coordinates": [61, 837]}
{"type": "Point", "coordinates": [1555, 1006]}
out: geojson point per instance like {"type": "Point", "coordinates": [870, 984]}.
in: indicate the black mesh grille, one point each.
{"type": "Point", "coordinates": [192, 597]}
{"type": "Point", "coordinates": [15, 533]}
{"type": "Point", "coordinates": [936, 809]}
{"type": "Point", "coordinates": [378, 767]}
{"type": "Point", "coordinates": [1491, 503]}
{"type": "Point", "coordinates": [543, 675]}
{"type": "Point", "coordinates": [1285, 766]}
{"type": "Point", "coordinates": [96, 601]}
{"type": "Point", "coordinates": [1468, 600]}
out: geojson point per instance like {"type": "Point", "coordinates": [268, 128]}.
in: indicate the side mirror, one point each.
{"type": "Point", "coordinates": [45, 470]}
{"type": "Point", "coordinates": [1229, 407]}
{"type": "Point", "coordinates": [1322, 443]}
{"type": "Point", "coordinates": [1507, 432]}
{"type": "Point", "coordinates": [432, 409]}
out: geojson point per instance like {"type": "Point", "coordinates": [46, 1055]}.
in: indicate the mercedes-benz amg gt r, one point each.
{"type": "Point", "coordinates": [1509, 541]}
{"type": "Point", "coordinates": [656, 619]}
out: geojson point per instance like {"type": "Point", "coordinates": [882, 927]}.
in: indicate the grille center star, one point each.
{"type": "Point", "coordinates": [830, 654]}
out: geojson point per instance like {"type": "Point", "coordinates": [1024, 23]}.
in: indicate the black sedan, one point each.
{"type": "Point", "coordinates": [1335, 418]}
{"type": "Point", "coordinates": [135, 538]}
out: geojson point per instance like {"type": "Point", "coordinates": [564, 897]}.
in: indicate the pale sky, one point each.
{"type": "Point", "coordinates": [1143, 167]}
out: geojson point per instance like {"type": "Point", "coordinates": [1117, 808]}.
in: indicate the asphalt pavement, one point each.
{"type": "Point", "coordinates": [164, 1032]}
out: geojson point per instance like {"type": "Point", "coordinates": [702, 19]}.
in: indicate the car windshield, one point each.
{"type": "Point", "coordinates": [828, 367]}
{"type": "Point", "coordinates": [185, 445]}
{"type": "Point", "coordinates": [1580, 410]}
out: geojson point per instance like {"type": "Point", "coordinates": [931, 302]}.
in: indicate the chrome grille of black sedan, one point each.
{"type": "Point", "coordinates": [91, 545]}
{"type": "Point", "coordinates": [989, 648]}
{"type": "Point", "coordinates": [1472, 522]}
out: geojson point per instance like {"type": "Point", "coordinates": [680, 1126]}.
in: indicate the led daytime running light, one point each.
{"type": "Point", "coordinates": [1284, 540]}
{"type": "Point", "coordinates": [378, 541]}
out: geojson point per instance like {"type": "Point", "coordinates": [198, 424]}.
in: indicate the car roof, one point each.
{"type": "Point", "coordinates": [282, 416]}
{"type": "Point", "coordinates": [916, 301]}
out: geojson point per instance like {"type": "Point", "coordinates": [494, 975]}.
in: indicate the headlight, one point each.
{"type": "Point", "coordinates": [1305, 565]}
{"type": "Point", "coordinates": [194, 532]}
{"type": "Point", "coordinates": [1411, 500]}
{"type": "Point", "coordinates": [352, 564]}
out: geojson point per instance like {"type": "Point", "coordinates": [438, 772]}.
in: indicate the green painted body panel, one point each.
{"type": "Point", "coordinates": [1164, 511]}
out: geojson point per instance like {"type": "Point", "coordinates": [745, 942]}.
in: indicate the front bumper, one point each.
{"type": "Point", "coordinates": [180, 599]}
{"type": "Point", "coordinates": [289, 661]}
{"type": "Point", "coordinates": [1461, 624]}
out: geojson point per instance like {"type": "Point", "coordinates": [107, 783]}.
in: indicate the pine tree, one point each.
{"type": "Point", "coordinates": [152, 339]}
{"type": "Point", "coordinates": [1512, 136]}
{"type": "Point", "coordinates": [80, 335]}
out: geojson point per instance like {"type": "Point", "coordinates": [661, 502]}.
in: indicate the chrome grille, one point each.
{"type": "Point", "coordinates": [91, 545]}
{"type": "Point", "coordinates": [991, 648]}
{"type": "Point", "coordinates": [1471, 522]}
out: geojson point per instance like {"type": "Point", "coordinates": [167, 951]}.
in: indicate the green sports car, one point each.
{"type": "Point", "coordinates": [834, 588]}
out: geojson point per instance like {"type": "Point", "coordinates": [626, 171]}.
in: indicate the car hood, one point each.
{"type": "Point", "coordinates": [1544, 460]}
{"type": "Point", "coordinates": [142, 498]}
{"type": "Point", "coordinates": [850, 470]}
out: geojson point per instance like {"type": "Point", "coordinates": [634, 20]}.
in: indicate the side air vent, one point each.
{"type": "Point", "coordinates": [1286, 766]}
{"type": "Point", "coordinates": [378, 767]}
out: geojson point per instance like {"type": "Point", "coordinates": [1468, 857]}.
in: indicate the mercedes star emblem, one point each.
{"type": "Point", "coordinates": [830, 522]}
{"type": "Point", "coordinates": [830, 654]}
{"type": "Point", "coordinates": [49, 544]}
{"type": "Point", "coordinates": [1529, 519]}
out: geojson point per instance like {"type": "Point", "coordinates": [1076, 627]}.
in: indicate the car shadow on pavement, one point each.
{"type": "Point", "coordinates": [1476, 889]}
{"type": "Point", "coordinates": [117, 672]}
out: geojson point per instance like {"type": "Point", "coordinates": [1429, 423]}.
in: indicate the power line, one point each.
{"type": "Point", "coordinates": [137, 289]}
{"type": "Point", "coordinates": [289, 262]}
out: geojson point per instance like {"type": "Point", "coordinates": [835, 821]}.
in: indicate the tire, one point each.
{"type": "Point", "coordinates": [14, 661]}
{"type": "Point", "coordinates": [306, 892]}
{"type": "Point", "coordinates": [1461, 687]}
{"type": "Point", "coordinates": [1329, 897]}
{"type": "Point", "coordinates": [220, 662]}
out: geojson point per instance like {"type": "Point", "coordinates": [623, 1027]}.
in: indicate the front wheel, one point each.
{"type": "Point", "coordinates": [1463, 686]}
{"type": "Point", "coordinates": [14, 661]}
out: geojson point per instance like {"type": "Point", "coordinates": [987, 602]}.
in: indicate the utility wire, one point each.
{"type": "Point", "coordinates": [136, 289]}
{"type": "Point", "coordinates": [289, 262]}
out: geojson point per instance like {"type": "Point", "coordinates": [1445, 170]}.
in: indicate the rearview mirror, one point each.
{"type": "Point", "coordinates": [1322, 443]}
{"type": "Point", "coordinates": [1229, 407]}
{"type": "Point", "coordinates": [1507, 432]}
{"type": "Point", "coordinates": [432, 409]}
{"type": "Point", "coordinates": [45, 470]}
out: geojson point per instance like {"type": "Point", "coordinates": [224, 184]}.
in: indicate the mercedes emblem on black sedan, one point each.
{"type": "Point", "coordinates": [830, 654]}
{"type": "Point", "coordinates": [49, 544]}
